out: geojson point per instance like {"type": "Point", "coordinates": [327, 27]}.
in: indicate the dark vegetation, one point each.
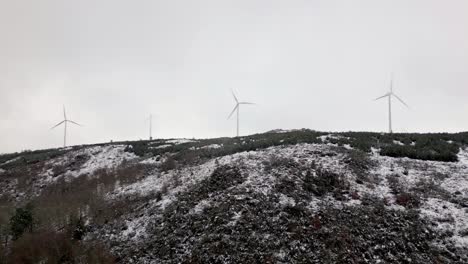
{"type": "Point", "coordinates": [359, 162]}
{"type": "Point", "coordinates": [403, 196]}
{"type": "Point", "coordinates": [278, 162]}
{"type": "Point", "coordinates": [52, 226]}
{"type": "Point", "coordinates": [437, 147]}
{"type": "Point", "coordinates": [326, 182]}
{"type": "Point", "coordinates": [191, 152]}
{"type": "Point", "coordinates": [28, 240]}
{"type": "Point", "coordinates": [30, 157]}
{"type": "Point", "coordinates": [241, 225]}
{"type": "Point", "coordinates": [22, 221]}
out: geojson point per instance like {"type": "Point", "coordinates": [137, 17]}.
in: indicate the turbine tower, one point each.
{"type": "Point", "coordinates": [390, 95]}
{"type": "Point", "coordinates": [236, 108]}
{"type": "Point", "coordinates": [65, 122]}
{"type": "Point", "coordinates": [150, 118]}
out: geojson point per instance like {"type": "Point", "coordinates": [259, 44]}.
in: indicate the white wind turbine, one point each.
{"type": "Point", "coordinates": [65, 121]}
{"type": "Point", "coordinates": [150, 118]}
{"type": "Point", "coordinates": [236, 108]}
{"type": "Point", "coordinates": [389, 95]}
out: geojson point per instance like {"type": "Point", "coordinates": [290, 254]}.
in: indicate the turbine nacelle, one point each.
{"type": "Point", "coordinates": [65, 121]}
{"type": "Point", "coordinates": [389, 95]}
{"type": "Point", "coordinates": [236, 108]}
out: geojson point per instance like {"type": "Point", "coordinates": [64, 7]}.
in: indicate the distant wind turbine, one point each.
{"type": "Point", "coordinates": [236, 108]}
{"type": "Point", "coordinates": [150, 118]}
{"type": "Point", "coordinates": [389, 95]}
{"type": "Point", "coordinates": [65, 121]}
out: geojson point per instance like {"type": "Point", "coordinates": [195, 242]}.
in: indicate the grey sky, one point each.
{"type": "Point", "coordinates": [312, 64]}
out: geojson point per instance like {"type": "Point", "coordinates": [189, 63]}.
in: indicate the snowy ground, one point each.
{"type": "Point", "coordinates": [81, 162]}
{"type": "Point", "coordinates": [445, 215]}
{"type": "Point", "coordinates": [442, 186]}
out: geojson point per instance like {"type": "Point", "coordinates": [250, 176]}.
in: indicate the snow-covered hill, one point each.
{"type": "Point", "coordinates": [212, 201]}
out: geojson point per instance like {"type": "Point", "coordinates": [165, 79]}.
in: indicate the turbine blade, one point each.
{"type": "Point", "coordinates": [247, 103]}
{"type": "Point", "coordinates": [234, 95]}
{"type": "Point", "coordinates": [386, 95]}
{"type": "Point", "coordinates": [74, 123]}
{"type": "Point", "coordinates": [58, 124]}
{"type": "Point", "coordinates": [403, 102]}
{"type": "Point", "coordinates": [235, 108]}
{"type": "Point", "coordinates": [64, 113]}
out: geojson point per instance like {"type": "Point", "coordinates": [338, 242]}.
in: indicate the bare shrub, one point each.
{"type": "Point", "coordinates": [439, 176]}
{"type": "Point", "coordinates": [395, 185]}
{"type": "Point", "coordinates": [278, 162]}
{"type": "Point", "coordinates": [326, 182]}
{"type": "Point", "coordinates": [188, 156]}
{"type": "Point", "coordinates": [103, 212]}
{"type": "Point", "coordinates": [164, 188]}
{"type": "Point", "coordinates": [6, 211]}
{"type": "Point", "coordinates": [403, 196]}
{"type": "Point", "coordinates": [409, 200]}
{"type": "Point", "coordinates": [168, 164]}
{"type": "Point", "coordinates": [59, 170]}
{"type": "Point", "coordinates": [84, 195]}
{"type": "Point", "coordinates": [130, 173]}
{"type": "Point", "coordinates": [176, 181]}
{"type": "Point", "coordinates": [429, 188]}
{"type": "Point", "coordinates": [53, 247]}
{"type": "Point", "coordinates": [360, 163]}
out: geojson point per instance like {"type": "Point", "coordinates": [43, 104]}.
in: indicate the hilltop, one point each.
{"type": "Point", "coordinates": [297, 196]}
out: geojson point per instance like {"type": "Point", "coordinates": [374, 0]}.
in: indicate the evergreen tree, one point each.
{"type": "Point", "coordinates": [22, 221]}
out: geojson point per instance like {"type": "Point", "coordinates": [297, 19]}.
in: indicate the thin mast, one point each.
{"type": "Point", "coordinates": [65, 135]}
{"type": "Point", "coordinates": [238, 106]}
{"type": "Point", "coordinates": [151, 127]}
{"type": "Point", "coordinates": [390, 113]}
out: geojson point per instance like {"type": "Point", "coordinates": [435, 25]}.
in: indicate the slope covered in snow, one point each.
{"type": "Point", "coordinates": [289, 197]}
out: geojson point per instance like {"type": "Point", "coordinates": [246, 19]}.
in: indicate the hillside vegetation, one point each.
{"type": "Point", "coordinates": [280, 197]}
{"type": "Point", "coordinates": [437, 147]}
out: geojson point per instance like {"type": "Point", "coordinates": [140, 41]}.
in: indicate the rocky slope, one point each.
{"type": "Point", "coordinates": [320, 198]}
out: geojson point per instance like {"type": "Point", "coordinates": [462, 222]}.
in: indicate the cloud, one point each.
{"type": "Point", "coordinates": [314, 64]}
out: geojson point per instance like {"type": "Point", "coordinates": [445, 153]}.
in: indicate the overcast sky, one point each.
{"type": "Point", "coordinates": [307, 64]}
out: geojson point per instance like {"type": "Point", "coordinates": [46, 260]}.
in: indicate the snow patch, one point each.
{"type": "Point", "coordinates": [12, 160]}
{"type": "Point", "coordinates": [348, 147]}
{"type": "Point", "coordinates": [448, 217]}
{"type": "Point", "coordinates": [151, 161]}
{"type": "Point", "coordinates": [180, 141]}
{"type": "Point", "coordinates": [200, 207]}
{"type": "Point", "coordinates": [106, 157]}
{"type": "Point", "coordinates": [286, 201]}
{"type": "Point", "coordinates": [99, 157]}
{"type": "Point", "coordinates": [135, 228]}
{"type": "Point", "coordinates": [463, 157]}
{"type": "Point", "coordinates": [212, 146]}
{"type": "Point", "coordinates": [162, 146]}
{"type": "Point", "coordinates": [235, 219]}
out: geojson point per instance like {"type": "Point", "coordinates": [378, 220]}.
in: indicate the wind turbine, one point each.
{"type": "Point", "coordinates": [65, 121]}
{"type": "Point", "coordinates": [389, 95]}
{"type": "Point", "coordinates": [236, 108]}
{"type": "Point", "coordinates": [150, 118]}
